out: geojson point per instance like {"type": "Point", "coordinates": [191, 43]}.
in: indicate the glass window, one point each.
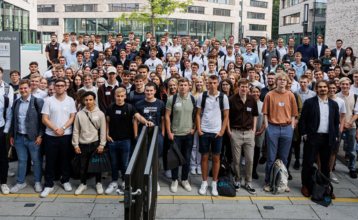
{"type": "Point", "coordinates": [70, 25]}
{"type": "Point", "coordinates": [291, 19]}
{"type": "Point", "coordinates": [18, 19]}
{"type": "Point", "coordinates": [255, 15]}
{"type": "Point", "coordinates": [320, 9]}
{"type": "Point", "coordinates": [195, 9]}
{"type": "Point", "coordinates": [123, 7]}
{"type": "Point", "coordinates": [1, 15]}
{"type": "Point", "coordinates": [47, 21]}
{"type": "Point", "coordinates": [182, 27]}
{"type": "Point", "coordinates": [220, 1]}
{"type": "Point", "coordinates": [257, 27]}
{"type": "Point", "coordinates": [219, 30]}
{"type": "Point", "coordinates": [81, 8]}
{"type": "Point", "coordinates": [91, 25]}
{"type": "Point", "coordinates": [25, 27]}
{"type": "Point", "coordinates": [259, 4]}
{"type": "Point", "coordinates": [221, 12]}
{"type": "Point", "coordinates": [202, 30]}
{"type": "Point", "coordinates": [288, 3]}
{"type": "Point", "coordinates": [45, 8]}
{"type": "Point", "coordinates": [9, 17]}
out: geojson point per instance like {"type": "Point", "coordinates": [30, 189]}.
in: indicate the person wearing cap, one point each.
{"type": "Point", "coordinates": [107, 64]}
{"type": "Point", "coordinates": [52, 50]}
{"type": "Point", "coordinates": [107, 90]}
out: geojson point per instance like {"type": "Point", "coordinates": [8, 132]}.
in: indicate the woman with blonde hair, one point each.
{"type": "Point", "coordinates": [160, 72]}
{"type": "Point", "coordinates": [239, 63]}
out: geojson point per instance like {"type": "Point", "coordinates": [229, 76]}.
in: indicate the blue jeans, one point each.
{"type": "Point", "coordinates": [119, 153]}
{"type": "Point", "coordinates": [349, 137]}
{"type": "Point", "coordinates": [279, 140]}
{"type": "Point", "coordinates": [209, 138]}
{"type": "Point", "coordinates": [22, 145]}
{"type": "Point", "coordinates": [185, 145]}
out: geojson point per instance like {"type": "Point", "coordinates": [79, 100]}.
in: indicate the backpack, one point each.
{"type": "Point", "coordinates": [173, 103]}
{"type": "Point", "coordinates": [6, 105]}
{"type": "Point", "coordinates": [221, 102]}
{"type": "Point", "coordinates": [321, 188]}
{"type": "Point", "coordinates": [202, 58]}
{"type": "Point", "coordinates": [279, 178]}
{"type": "Point", "coordinates": [264, 54]}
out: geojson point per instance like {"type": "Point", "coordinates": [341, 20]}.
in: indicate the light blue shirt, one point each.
{"type": "Point", "coordinates": [252, 58]}
{"type": "Point", "coordinates": [300, 69]}
{"type": "Point", "coordinates": [70, 58]}
{"type": "Point", "coordinates": [24, 105]}
{"type": "Point", "coordinates": [8, 115]}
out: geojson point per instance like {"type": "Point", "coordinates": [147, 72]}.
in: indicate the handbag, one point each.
{"type": "Point", "coordinates": [99, 163]}
{"type": "Point", "coordinates": [322, 189]}
{"type": "Point", "coordinates": [174, 157]}
{"type": "Point", "coordinates": [226, 186]}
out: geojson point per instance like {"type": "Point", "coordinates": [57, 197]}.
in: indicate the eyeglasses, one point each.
{"type": "Point", "coordinates": [60, 86]}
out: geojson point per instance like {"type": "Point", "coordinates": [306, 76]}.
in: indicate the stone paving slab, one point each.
{"type": "Point", "coordinates": [218, 211]}
{"type": "Point", "coordinates": [180, 211]}
{"type": "Point", "coordinates": [336, 212]}
{"type": "Point", "coordinates": [16, 209]}
{"type": "Point", "coordinates": [50, 209]}
{"type": "Point", "coordinates": [61, 218]}
{"type": "Point", "coordinates": [288, 212]}
{"type": "Point", "coordinates": [17, 218]}
{"type": "Point", "coordinates": [108, 210]}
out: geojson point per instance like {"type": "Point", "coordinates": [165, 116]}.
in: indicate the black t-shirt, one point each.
{"type": "Point", "coordinates": [120, 121]}
{"type": "Point", "coordinates": [136, 98]}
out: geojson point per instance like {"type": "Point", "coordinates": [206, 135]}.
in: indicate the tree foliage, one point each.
{"type": "Point", "coordinates": [275, 18]}
{"type": "Point", "coordinates": [155, 12]}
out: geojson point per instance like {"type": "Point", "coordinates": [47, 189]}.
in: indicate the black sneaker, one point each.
{"type": "Point", "coordinates": [262, 160]}
{"type": "Point", "coordinates": [237, 186]}
{"type": "Point", "coordinates": [353, 174]}
{"type": "Point", "coordinates": [289, 175]}
{"type": "Point", "coordinates": [250, 189]}
{"type": "Point", "coordinates": [255, 175]}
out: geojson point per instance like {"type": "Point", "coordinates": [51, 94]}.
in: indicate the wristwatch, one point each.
{"type": "Point", "coordinates": [64, 128]}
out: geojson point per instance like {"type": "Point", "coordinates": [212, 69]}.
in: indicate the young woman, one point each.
{"type": "Point", "coordinates": [227, 87]}
{"type": "Point", "coordinates": [235, 82]}
{"type": "Point", "coordinates": [95, 76]}
{"type": "Point", "coordinates": [109, 56]}
{"type": "Point", "coordinates": [231, 71]}
{"type": "Point", "coordinates": [245, 74]}
{"type": "Point", "coordinates": [230, 66]}
{"type": "Point", "coordinates": [166, 61]}
{"type": "Point", "coordinates": [159, 82]}
{"type": "Point", "coordinates": [88, 86]}
{"type": "Point", "coordinates": [195, 158]}
{"type": "Point", "coordinates": [280, 69]}
{"type": "Point", "coordinates": [190, 86]}
{"type": "Point", "coordinates": [184, 56]}
{"type": "Point", "coordinates": [349, 63]}
{"type": "Point", "coordinates": [336, 81]}
{"type": "Point", "coordinates": [212, 43]}
{"type": "Point", "coordinates": [338, 72]}
{"type": "Point", "coordinates": [78, 82]}
{"type": "Point", "coordinates": [69, 73]}
{"type": "Point", "coordinates": [80, 72]}
{"type": "Point", "coordinates": [260, 130]}
{"type": "Point", "coordinates": [101, 72]}
{"type": "Point", "coordinates": [239, 63]}
{"type": "Point", "coordinates": [160, 72]}
{"type": "Point", "coordinates": [310, 78]}
{"type": "Point", "coordinates": [79, 101]}
{"type": "Point", "coordinates": [326, 59]}
{"type": "Point", "coordinates": [204, 50]}
{"type": "Point", "coordinates": [43, 84]}
{"type": "Point", "coordinates": [69, 88]}
{"type": "Point", "coordinates": [217, 59]}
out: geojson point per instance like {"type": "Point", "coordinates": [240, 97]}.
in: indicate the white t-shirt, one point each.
{"type": "Point", "coordinates": [98, 47]}
{"type": "Point", "coordinates": [82, 47]}
{"type": "Point", "coordinates": [47, 74]}
{"type": "Point", "coordinates": [187, 74]}
{"type": "Point", "coordinates": [226, 61]}
{"type": "Point", "coordinates": [295, 86]}
{"type": "Point", "coordinates": [211, 117]}
{"type": "Point", "coordinates": [152, 64]}
{"type": "Point", "coordinates": [65, 48]}
{"type": "Point", "coordinates": [201, 60]}
{"type": "Point", "coordinates": [40, 94]}
{"type": "Point", "coordinates": [173, 50]}
{"type": "Point", "coordinates": [257, 84]}
{"type": "Point", "coordinates": [353, 90]}
{"type": "Point", "coordinates": [59, 113]}
{"type": "Point", "coordinates": [341, 105]}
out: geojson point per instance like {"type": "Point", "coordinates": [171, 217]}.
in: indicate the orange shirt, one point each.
{"type": "Point", "coordinates": [280, 107]}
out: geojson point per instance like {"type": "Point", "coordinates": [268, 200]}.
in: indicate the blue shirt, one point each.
{"type": "Point", "coordinates": [120, 46]}
{"type": "Point", "coordinates": [252, 58]}
{"type": "Point", "coordinates": [7, 124]}
{"type": "Point", "coordinates": [70, 58]}
{"type": "Point", "coordinates": [299, 69]}
{"type": "Point", "coordinates": [151, 111]}
{"type": "Point", "coordinates": [24, 105]}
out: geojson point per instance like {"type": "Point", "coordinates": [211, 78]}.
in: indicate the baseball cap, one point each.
{"type": "Point", "coordinates": [111, 69]}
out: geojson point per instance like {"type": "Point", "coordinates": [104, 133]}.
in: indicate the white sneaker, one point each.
{"type": "Point", "coordinates": [158, 187]}
{"type": "Point", "coordinates": [186, 185]}
{"type": "Point", "coordinates": [80, 189]}
{"type": "Point", "coordinates": [203, 188]}
{"type": "Point", "coordinates": [123, 184]}
{"type": "Point", "coordinates": [67, 187]}
{"type": "Point", "coordinates": [111, 188]}
{"type": "Point", "coordinates": [5, 189]}
{"type": "Point", "coordinates": [10, 173]}
{"type": "Point", "coordinates": [192, 171]}
{"type": "Point", "coordinates": [333, 178]}
{"type": "Point", "coordinates": [214, 190]}
{"type": "Point", "coordinates": [46, 191]}
{"type": "Point", "coordinates": [243, 161]}
{"type": "Point", "coordinates": [198, 170]}
{"type": "Point", "coordinates": [99, 188]}
{"type": "Point", "coordinates": [17, 187]}
{"type": "Point", "coordinates": [174, 186]}
{"type": "Point", "coordinates": [38, 187]}
{"type": "Point", "coordinates": [168, 174]}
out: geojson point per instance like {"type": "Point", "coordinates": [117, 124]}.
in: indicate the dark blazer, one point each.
{"type": "Point", "coordinates": [34, 125]}
{"type": "Point", "coordinates": [341, 53]}
{"type": "Point", "coordinates": [320, 53]}
{"type": "Point", "coordinates": [310, 119]}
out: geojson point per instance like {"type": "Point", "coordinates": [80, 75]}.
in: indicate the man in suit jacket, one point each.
{"type": "Point", "coordinates": [339, 51]}
{"type": "Point", "coordinates": [26, 134]}
{"type": "Point", "coordinates": [320, 47]}
{"type": "Point", "coordinates": [79, 64]}
{"type": "Point", "coordinates": [319, 126]}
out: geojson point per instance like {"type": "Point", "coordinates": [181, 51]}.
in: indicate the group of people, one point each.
{"type": "Point", "coordinates": [216, 99]}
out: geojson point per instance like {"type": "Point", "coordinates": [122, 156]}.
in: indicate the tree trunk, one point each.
{"type": "Point", "coordinates": [153, 27]}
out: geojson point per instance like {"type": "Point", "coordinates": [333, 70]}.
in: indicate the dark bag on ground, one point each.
{"type": "Point", "coordinates": [225, 185]}
{"type": "Point", "coordinates": [99, 163]}
{"type": "Point", "coordinates": [174, 157]}
{"type": "Point", "coordinates": [322, 189]}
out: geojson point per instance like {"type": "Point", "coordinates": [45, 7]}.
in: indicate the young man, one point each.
{"type": "Point", "coordinates": [87, 61]}
{"type": "Point", "coordinates": [300, 67]}
{"type": "Point", "coordinates": [212, 70]}
{"type": "Point", "coordinates": [272, 66]}
{"type": "Point", "coordinates": [262, 47]}
{"type": "Point", "coordinates": [120, 44]}
{"type": "Point", "coordinates": [80, 46]}
{"type": "Point", "coordinates": [93, 52]}
{"type": "Point", "coordinates": [185, 46]}
{"type": "Point", "coordinates": [86, 39]}
{"type": "Point", "coordinates": [93, 37]}
{"type": "Point", "coordinates": [98, 45]}
{"type": "Point", "coordinates": [186, 72]}
{"type": "Point", "coordinates": [173, 49]}
{"type": "Point", "coordinates": [279, 109]}
{"type": "Point", "coordinates": [153, 44]}
{"type": "Point", "coordinates": [320, 47]}
{"type": "Point", "coordinates": [65, 46]}
{"type": "Point", "coordinates": [349, 126]}
{"type": "Point", "coordinates": [331, 74]}
{"type": "Point", "coordinates": [320, 130]}
{"type": "Point", "coordinates": [199, 59]}
{"type": "Point", "coordinates": [15, 79]}
{"type": "Point", "coordinates": [73, 38]}
{"type": "Point", "coordinates": [304, 92]}
{"type": "Point", "coordinates": [291, 74]}
{"type": "Point", "coordinates": [88, 86]}
{"type": "Point", "coordinates": [71, 55]}
{"type": "Point", "coordinates": [52, 50]}
{"type": "Point", "coordinates": [217, 46]}
{"type": "Point", "coordinates": [229, 57]}
{"type": "Point", "coordinates": [354, 86]}
{"type": "Point", "coordinates": [108, 44]}
{"type": "Point", "coordinates": [237, 51]}
{"type": "Point", "coordinates": [306, 50]}
{"type": "Point", "coordinates": [211, 124]}
{"type": "Point", "coordinates": [35, 83]}
{"type": "Point", "coordinates": [252, 80]}
{"type": "Point", "coordinates": [89, 135]}
{"type": "Point", "coordinates": [126, 81]}
{"type": "Point", "coordinates": [162, 45]}
{"type": "Point", "coordinates": [138, 93]}
{"type": "Point", "coordinates": [123, 60]}
{"type": "Point", "coordinates": [241, 130]}
{"type": "Point", "coordinates": [106, 91]}
{"type": "Point", "coordinates": [58, 114]}
{"type": "Point", "coordinates": [338, 52]}
{"type": "Point", "coordinates": [280, 48]}
{"type": "Point", "coordinates": [271, 85]}
{"type": "Point", "coordinates": [79, 64]}
{"type": "Point", "coordinates": [119, 133]}
{"type": "Point", "coordinates": [180, 127]}
{"type": "Point", "coordinates": [130, 37]}
{"type": "Point", "coordinates": [269, 53]}
{"type": "Point", "coordinates": [153, 62]}
{"type": "Point", "coordinates": [26, 135]}
{"type": "Point", "coordinates": [289, 56]}
{"type": "Point", "coordinates": [34, 68]}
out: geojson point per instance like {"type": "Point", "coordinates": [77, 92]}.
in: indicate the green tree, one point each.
{"type": "Point", "coordinates": [155, 12]}
{"type": "Point", "coordinates": [275, 18]}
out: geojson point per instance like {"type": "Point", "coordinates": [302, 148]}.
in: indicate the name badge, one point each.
{"type": "Point", "coordinates": [267, 54]}
{"type": "Point", "coordinates": [95, 118]}
{"type": "Point", "coordinates": [248, 109]}
{"type": "Point", "coordinates": [281, 104]}
{"type": "Point", "coordinates": [178, 104]}
{"type": "Point", "coordinates": [108, 93]}
{"type": "Point", "coordinates": [55, 48]}
{"type": "Point", "coordinates": [92, 55]}
{"type": "Point", "coordinates": [251, 58]}
{"type": "Point", "coordinates": [330, 61]}
{"type": "Point", "coordinates": [118, 112]}
{"type": "Point", "coordinates": [146, 111]}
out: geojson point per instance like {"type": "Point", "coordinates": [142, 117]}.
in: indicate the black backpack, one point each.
{"type": "Point", "coordinates": [321, 188]}
{"type": "Point", "coordinates": [6, 103]}
{"type": "Point", "coordinates": [221, 102]}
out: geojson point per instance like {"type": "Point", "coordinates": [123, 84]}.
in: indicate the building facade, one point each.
{"type": "Point", "coordinates": [204, 19]}
{"type": "Point", "coordinates": [21, 16]}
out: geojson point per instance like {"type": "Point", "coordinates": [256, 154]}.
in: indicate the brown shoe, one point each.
{"type": "Point", "coordinates": [296, 166]}
{"type": "Point", "coordinates": [305, 191]}
{"type": "Point", "coordinates": [333, 196]}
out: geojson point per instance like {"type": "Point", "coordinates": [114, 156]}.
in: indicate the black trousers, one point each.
{"type": "Point", "coordinates": [4, 163]}
{"type": "Point", "coordinates": [313, 146]}
{"type": "Point", "coordinates": [226, 147]}
{"type": "Point", "coordinates": [85, 155]}
{"type": "Point", "coordinates": [294, 147]}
